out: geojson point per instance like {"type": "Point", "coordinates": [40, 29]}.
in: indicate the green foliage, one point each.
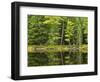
{"type": "Point", "coordinates": [47, 30]}
{"type": "Point", "coordinates": [59, 33]}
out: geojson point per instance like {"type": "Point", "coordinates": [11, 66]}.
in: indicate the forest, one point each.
{"type": "Point", "coordinates": [55, 40]}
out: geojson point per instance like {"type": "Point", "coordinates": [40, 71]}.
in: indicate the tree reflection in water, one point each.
{"type": "Point", "coordinates": [72, 57]}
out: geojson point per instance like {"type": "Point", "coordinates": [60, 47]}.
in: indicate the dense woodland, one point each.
{"type": "Point", "coordinates": [54, 30]}
{"type": "Point", "coordinates": [57, 32]}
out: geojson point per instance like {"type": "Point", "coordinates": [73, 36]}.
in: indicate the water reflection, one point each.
{"type": "Point", "coordinates": [57, 58]}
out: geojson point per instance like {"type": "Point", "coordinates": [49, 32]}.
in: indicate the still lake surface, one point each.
{"type": "Point", "coordinates": [74, 57]}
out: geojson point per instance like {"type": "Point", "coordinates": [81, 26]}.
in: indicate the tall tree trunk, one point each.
{"type": "Point", "coordinates": [38, 19]}
{"type": "Point", "coordinates": [80, 39]}
{"type": "Point", "coordinates": [62, 39]}
{"type": "Point", "coordinates": [62, 34]}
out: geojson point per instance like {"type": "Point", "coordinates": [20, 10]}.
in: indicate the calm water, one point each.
{"type": "Point", "coordinates": [57, 58]}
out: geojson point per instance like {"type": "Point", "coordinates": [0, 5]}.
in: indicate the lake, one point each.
{"type": "Point", "coordinates": [71, 57]}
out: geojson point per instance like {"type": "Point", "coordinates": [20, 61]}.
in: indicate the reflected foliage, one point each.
{"type": "Point", "coordinates": [49, 59]}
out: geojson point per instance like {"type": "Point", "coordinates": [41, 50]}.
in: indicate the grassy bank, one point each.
{"type": "Point", "coordinates": [56, 48]}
